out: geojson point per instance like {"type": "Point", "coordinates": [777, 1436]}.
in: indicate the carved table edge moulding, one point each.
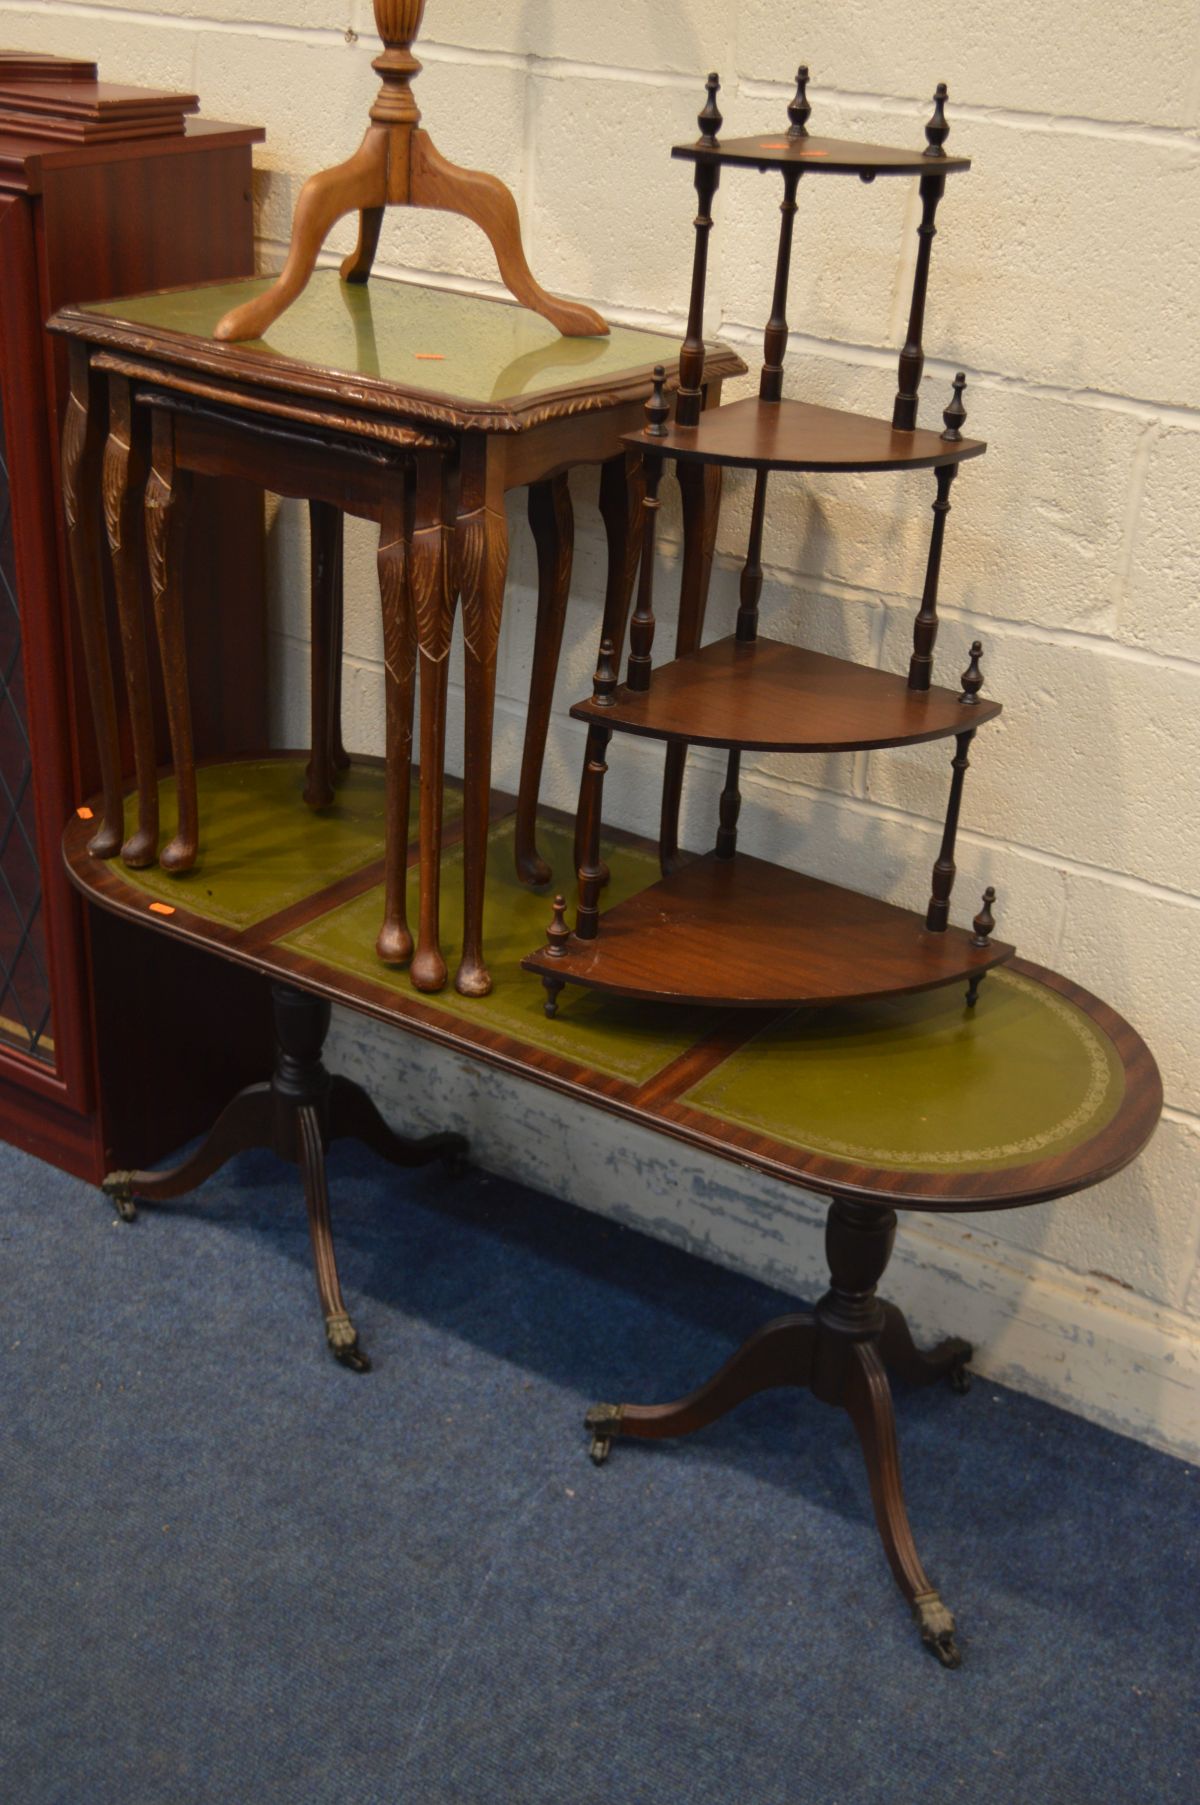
{"type": "Point", "coordinates": [102, 325]}
{"type": "Point", "coordinates": [398, 164]}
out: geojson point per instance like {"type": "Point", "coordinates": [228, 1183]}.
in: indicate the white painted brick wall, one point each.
{"type": "Point", "coordinates": [1065, 280]}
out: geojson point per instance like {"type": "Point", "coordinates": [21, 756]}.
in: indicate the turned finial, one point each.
{"type": "Point", "coordinates": [985, 922]}
{"type": "Point", "coordinates": [799, 111]}
{"type": "Point", "coordinates": [710, 119]}
{"type": "Point", "coordinates": [937, 131]}
{"type": "Point", "coordinates": [397, 22]}
{"type": "Point", "coordinates": [972, 677]}
{"type": "Point", "coordinates": [658, 408]}
{"type": "Point", "coordinates": [558, 933]}
{"type": "Point", "coordinates": [605, 680]}
{"type": "Point", "coordinates": [955, 415]}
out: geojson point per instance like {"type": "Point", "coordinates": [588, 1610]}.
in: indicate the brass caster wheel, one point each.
{"type": "Point", "coordinates": [118, 1188]}
{"type": "Point", "coordinates": [603, 1423]}
{"type": "Point", "coordinates": [342, 1337]}
{"type": "Point", "coordinates": [959, 1378]}
{"type": "Point", "coordinates": [936, 1624]}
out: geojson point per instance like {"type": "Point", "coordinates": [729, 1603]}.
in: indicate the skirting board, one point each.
{"type": "Point", "coordinates": [1102, 1352]}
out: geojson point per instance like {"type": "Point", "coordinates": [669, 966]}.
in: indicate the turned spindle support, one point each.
{"type": "Point", "coordinates": [984, 925]}
{"type": "Point", "coordinates": [641, 627]}
{"type": "Point", "coordinates": [604, 682]}
{"type": "Point", "coordinates": [557, 936]}
{"type": "Point", "coordinates": [690, 400]}
{"type": "Point", "coordinates": [591, 802]}
{"type": "Point", "coordinates": [920, 669]}
{"type": "Point", "coordinates": [398, 165]}
{"type": "Point", "coordinates": [731, 807]}
{"type": "Point", "coordinates": [937, 916]}
{"type": "Point", "coordinates": [770, 387]}
{"type": "Point", "coordinates": [932, 188]}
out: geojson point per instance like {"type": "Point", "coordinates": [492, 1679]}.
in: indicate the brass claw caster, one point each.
{"type": "Point", "coordinates": [118, 1188]}
{"type": "Point", "coordinates": [959, 1378]}
{"type": "Point", "coordinates": [603, 1423]}
{"type": "Point", "coordinates": [342, 1337]}
{"type": "Point", "coordinates": [936, 1624]}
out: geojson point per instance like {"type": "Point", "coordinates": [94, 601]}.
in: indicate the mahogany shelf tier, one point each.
{"type": "Point", "coordinates": [833, 156]}
{"type": "Point", "coordinates": [763, 696]}
{"type": "Point", "coordinates": [743, 932]}
{"type": "Point", "coordinates": [800, 435]}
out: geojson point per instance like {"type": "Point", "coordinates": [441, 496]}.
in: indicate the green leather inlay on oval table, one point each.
{"type": "Point", "coordinates": [425, 340]}
{"type": "Point", "coordinates": [921, 1083]}
{"type": "Point", "coordinates": [261, 847]}
{"type": "Point", "coordinates": [622, 1039]}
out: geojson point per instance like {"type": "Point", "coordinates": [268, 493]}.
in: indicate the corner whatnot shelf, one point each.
{"type": "Point", "coordinates": [725, 928]}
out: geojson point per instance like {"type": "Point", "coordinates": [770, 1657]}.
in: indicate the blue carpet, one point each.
{"type": "Point", "coordinates": [234, 1572]}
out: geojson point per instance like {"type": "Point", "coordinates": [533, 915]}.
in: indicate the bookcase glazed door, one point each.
{"type": "Point", "coordinates": [42, 1039]}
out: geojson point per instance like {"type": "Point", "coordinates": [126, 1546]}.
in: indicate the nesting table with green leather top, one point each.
{"type": "Point", "coordinates": [914, 1102]}
{"type": "Point", "coordinates": [412, 407]}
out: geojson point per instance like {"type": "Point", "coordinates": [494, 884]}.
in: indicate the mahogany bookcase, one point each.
{"type": "Point", "coordinates": [85, 1011]}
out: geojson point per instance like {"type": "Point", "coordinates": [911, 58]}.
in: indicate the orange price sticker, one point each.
{"type": "Point", "coordinates": [85, 814]}
{"type": "Point", "coordinates": [162, 908]}
{"type": "Point", "coordinates": [430, 357]}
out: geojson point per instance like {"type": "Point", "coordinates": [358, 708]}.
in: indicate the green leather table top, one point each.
{"type": "Point", "coordinates": [913, 1099]}
{"type": "Point", "coordinates": [427, 341]}
{"type": "Point", "coordinates": [253, 862]}
{"type": "Point", "coordinates": [920, 1083]}
{"type": "Point", "coordinates": [618, 1038]}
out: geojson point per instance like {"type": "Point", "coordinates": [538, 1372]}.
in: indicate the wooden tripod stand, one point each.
{"type": "Point", "coordinates": [397, 164]}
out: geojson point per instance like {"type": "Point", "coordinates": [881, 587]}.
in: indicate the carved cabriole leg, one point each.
{"type": "Point", "coordinates": [81, 478]}
{"type": "Point", "coordinates": [125, 465]}
{"type": "Point", "coordinates": [591, 814]}
{"type": "Point", "coordinates": [483, 198]}
{"type": "Point", "coordinates": [433, 596]}
{"type": "Point", "coordinates": [483, 569]}
{"type": "Point", "coordinates": [622, 491]}
{"type": "Point", "coordinates": [700, 489]}
{"type": "Point", "coordinates": [920, 668]}
{"type": "Point", "coordinates": [327, 757]}
{"type": "Point", "coordinates": [552, 522]}
{"type": "Point", "coordinates": [937, 915]}
{"type": "Point", "coordinates": [168, 492]}
{"type": "Point", "coordinates": [395, 942]}
{"type": "Point", "coordinates": [912, 357]}
{"type": "Point", "coordinates": [357, 266]}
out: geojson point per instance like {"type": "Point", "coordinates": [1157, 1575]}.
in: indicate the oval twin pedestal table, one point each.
{"type": "Point", "coordinates": [914, 1102]}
